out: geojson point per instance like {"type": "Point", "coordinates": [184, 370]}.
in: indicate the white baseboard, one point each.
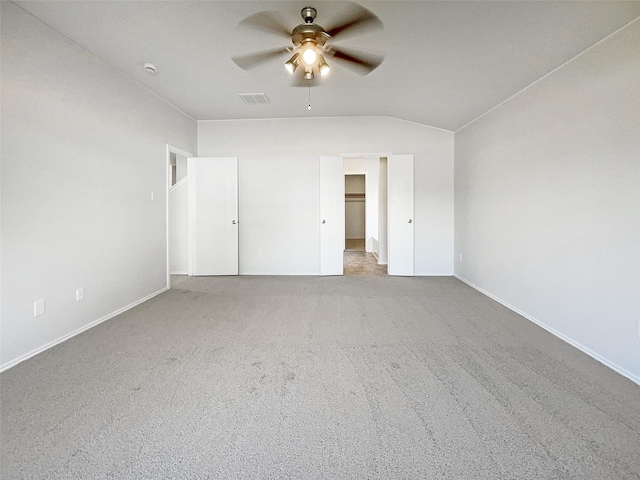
{"type": "Point", "coordinates": [561, 336]}
{"type": "Point", "coordinates": [22, 358]}
{"type": "Point", "coordinates": [178, 273]}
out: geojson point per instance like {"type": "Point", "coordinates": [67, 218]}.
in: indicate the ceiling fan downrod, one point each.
{"type": "Point", "coordinates": [309, 14]}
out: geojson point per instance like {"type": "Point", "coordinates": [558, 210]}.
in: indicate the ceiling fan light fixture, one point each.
{"type": "Point", "coordinates": [308, 73]}
{"type": "Point", "coordinates": [310, 42]}
{"type": "Point", "coordinates": [293, 63]}
{"type": "Point", "coordinates": [309, 55]}
{"type": "Point", "coordinates": [323, 66]}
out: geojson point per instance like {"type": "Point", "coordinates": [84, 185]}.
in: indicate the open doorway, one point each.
{"type": "Point", "coordinates": [176, 208]}
{"type": "Point", "coordinates": [354, 213]}
{"type": "Point", "coordinates": [361, 176]}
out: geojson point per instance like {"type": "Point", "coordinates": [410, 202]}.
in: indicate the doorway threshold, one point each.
{"type": "Point", "coordinates": [362, 263]}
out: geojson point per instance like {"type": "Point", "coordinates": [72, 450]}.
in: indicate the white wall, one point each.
{"type": "Point", "coordinates": [83, 147]}
{"type": "Point", "coordinates": [354, 219]}
{"type": "Point", "coordinates": [179, 227]}
{"type": "Point", "coordinates": [547, 200]}
{"type": "Point", "coordinates": [279, 184]}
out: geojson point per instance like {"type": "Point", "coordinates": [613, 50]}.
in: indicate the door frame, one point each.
{"type": "Point", "coordinates": [167, 183]}
{"type": "Point", "coordinates": [374, 155]}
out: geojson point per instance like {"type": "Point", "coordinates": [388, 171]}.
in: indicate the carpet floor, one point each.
{"type": "Point", "coordinates": [361, 377]}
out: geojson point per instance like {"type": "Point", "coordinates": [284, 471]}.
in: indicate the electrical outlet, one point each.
{"type": "Point", "coordinates": [79, 294]}
{"type": "Point", "coordinates": [460, 257]}
{"type": "Point", "coordinates": [38, 307]}
{"type": "Point", "coordinates": [153, 196]}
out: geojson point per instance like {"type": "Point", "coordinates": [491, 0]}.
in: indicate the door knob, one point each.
{"type": "Point", "coordinates": [234, 222]}
{"type": "Point", "coordinates": [324, 221]}
{"type": "Point", "coordinates": [410, 221]}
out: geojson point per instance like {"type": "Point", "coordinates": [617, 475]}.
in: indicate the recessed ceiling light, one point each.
{"type": "Point", "coordinates": [150, 68]}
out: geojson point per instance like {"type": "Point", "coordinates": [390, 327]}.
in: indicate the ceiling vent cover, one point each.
{"type": "Point", "coordinates": [254, 98]}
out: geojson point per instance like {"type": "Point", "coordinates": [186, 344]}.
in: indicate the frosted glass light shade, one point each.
{"type": "Point", "coordinates": [323, 66]}
{"type": "Point", "coordinates": [309, 56]}
{"type": "Point", "coordinates": [292, 64]}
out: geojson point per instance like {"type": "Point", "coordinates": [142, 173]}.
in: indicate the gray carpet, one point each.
{"type": "Point", "coordinates": [308, 377]}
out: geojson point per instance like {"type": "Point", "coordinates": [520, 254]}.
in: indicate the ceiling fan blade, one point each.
{"type": "Point", "coordinates": [252, 60]}
{"type": "Point", "coordinates": [355, 18]}
{"type": "Point", "coordinates": [361, 62]}
{"type": "Point", "coordinates": [267, 21]}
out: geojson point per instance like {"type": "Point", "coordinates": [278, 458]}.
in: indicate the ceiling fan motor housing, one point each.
{"type": "Point", "coordinates": [309, 32]}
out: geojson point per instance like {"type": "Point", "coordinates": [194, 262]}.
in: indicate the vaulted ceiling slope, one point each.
{"type": "Point", "coordinates": [445, 63]}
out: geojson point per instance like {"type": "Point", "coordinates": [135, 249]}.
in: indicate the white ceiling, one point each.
{"type": "Point", "coordinates": [446, 62]}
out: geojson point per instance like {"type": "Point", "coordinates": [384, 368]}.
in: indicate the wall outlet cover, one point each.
{"type": "Point", "coordinates": [38, 307]}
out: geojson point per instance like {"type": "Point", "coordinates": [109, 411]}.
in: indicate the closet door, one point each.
{"type": "Point", "coordinates": [331, 216]}
{"type": "Point", "coordinates": [213, 216]}
{"type": "Point", "coordinates": [400, 211]}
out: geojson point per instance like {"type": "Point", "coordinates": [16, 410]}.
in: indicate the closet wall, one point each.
{"type": "Point", "coordinates": [354, 207]}
{"type": "Point", "coordinates": [278, 180]}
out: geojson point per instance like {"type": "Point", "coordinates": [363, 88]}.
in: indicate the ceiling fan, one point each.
{"type": "Point", "coordinates": [311, 42]}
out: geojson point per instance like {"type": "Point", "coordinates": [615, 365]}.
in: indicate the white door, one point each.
{"type": "Point", "coordinates": [400, 211]}
{"type": "Point", "coordinates": [213, 216]}
{"type": "Point", "coordinates": [331, 216]}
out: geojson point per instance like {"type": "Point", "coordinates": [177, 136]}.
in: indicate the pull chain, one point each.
{"type": "Point", "coordinates": [309, 107]}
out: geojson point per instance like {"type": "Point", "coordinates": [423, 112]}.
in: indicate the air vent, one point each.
{"type": "Point", "coordinates": [254, 98]}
